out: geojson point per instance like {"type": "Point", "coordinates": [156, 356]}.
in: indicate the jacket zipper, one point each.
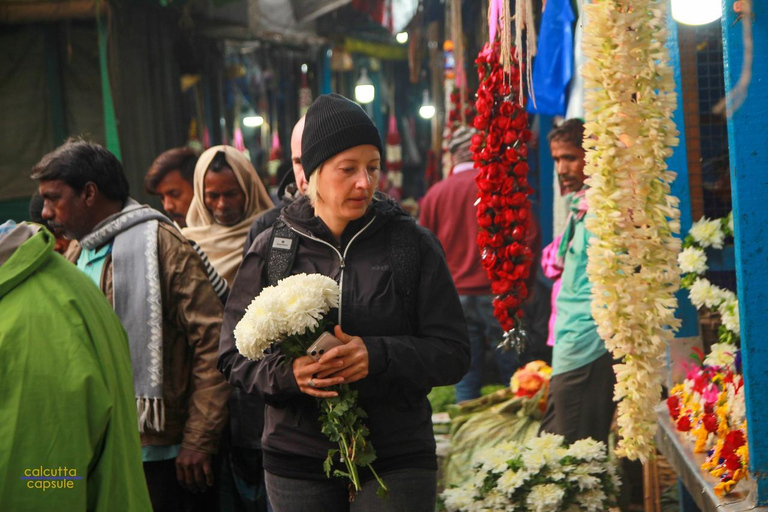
{"type": "Point", "coordinates": [342, 258]}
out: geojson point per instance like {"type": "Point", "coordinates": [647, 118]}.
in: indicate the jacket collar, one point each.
{"type": "Point", "coordinates": [300, 215]}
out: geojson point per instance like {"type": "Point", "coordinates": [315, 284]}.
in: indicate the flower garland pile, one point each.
{"type": "Point", "coordinates": [693, 263]}
{"type": "Point", "coordinates": [541, 475]}
{"type": "Point", "coordinates": [629, 101]}
{"type": "Point", "coordinates": [503, 209]}
{"type": "Point", "coordinates": [709, 408]}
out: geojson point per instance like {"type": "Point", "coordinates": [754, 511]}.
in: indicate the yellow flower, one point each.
{"type": "Point", "coordinates": [724, 488]}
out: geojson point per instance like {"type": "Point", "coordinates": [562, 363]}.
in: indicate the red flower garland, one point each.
{"type": "Point", "coordinates": [503, 209]}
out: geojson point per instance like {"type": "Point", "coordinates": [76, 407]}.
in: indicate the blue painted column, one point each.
{"type": "Point", "coordinates": [325, 70]}
{"type": "Point", "coordinates": [747, 137]}
{"type": "Point", "coordinates": [544, 187]}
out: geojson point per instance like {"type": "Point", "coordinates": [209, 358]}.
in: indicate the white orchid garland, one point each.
{"type": "Point", "coordinates": [629, 101]}
{"type": "Point", "coordinates": [693, 262]}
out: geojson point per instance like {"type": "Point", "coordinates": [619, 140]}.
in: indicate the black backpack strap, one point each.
{"type": "Point", "coordinates": [405, 257]}
{"type": "Point", "coordinates": [283, 245]}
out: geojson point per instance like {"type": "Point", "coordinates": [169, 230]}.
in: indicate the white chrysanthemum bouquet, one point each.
{"type": "Point", "coordinates": [541, 475]}
{"type": "Point", "coordinates": [291, 315]}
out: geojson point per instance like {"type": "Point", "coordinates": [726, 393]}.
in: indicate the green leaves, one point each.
{"type": "Point", "coordinates": [342, 422]}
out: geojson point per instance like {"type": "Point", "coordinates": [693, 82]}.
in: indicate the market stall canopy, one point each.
{"type": "Point", "coordinates": [307, 10]}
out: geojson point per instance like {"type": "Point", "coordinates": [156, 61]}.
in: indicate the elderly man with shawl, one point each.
{"type": "Point", "coordinates": [228, 197]}
{"type": "Point", "coordinates": [158, 287]}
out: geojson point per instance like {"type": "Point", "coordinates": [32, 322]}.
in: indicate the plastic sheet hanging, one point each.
{"type": "Point", "coordinates": [553, 68]}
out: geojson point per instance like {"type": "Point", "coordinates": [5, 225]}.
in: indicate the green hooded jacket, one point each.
{"type": "Point", "coordinates": [69, 439]}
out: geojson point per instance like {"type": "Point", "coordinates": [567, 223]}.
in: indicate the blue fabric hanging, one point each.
{"type": "Point", "coordinates": [553, 67]}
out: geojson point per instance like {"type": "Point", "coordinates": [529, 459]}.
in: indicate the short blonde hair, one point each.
{"type": "Point", "coordinates": [312, 186]}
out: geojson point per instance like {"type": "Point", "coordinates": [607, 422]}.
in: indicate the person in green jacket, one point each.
{"type": "Point", "coordinates": [68, 435]}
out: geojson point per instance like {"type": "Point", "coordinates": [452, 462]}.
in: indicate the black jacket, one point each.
{"type": "Point", "coordinates": [405, 361]}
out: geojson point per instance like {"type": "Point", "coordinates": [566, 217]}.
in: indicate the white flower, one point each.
{"type": "Point", "coordinates": [493, 460]}
{"type": "Point", "coordinates": [692, 259]}
{"type": "Point", "coordinates": [721, 355]}
{"type": "Point", "coordinates": [545, 497]}
{"type": "Point", "coordinates": [581, 476]}
{"type": "Point", "coordinates": [534, 460]}
{"type": "Point", "coordinates": [729, 313]}
{"type": "Point", "coordinates": [708, 233]}
{"type": "Point", "coordinates": [587, 449]}
{"type": "Point", "coordinates": [459, 498]}
{"type": "Point", "coordinates": [593, 500]}
{"type": "Point", "coordinates": [704, 293]}
{"type": "Point", "coordinates": [294, 306]}
{"type": "Point", "coordinates": [510, 481]}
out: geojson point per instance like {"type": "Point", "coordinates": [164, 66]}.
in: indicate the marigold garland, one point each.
{"type": "Point", "coordinates": [503, 209]}
{"type": "Point", "coordinates": [709, 409]}
{"type": "Point", "coordinates": [629, 101]}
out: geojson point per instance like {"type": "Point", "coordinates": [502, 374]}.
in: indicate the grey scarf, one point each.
{"type": "Point", "coordinates": [137, 299]}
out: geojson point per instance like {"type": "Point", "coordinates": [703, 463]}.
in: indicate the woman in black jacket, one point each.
{"type": "Point", "coordinates": [401, 336]}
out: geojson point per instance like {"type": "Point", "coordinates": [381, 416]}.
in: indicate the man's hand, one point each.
{"type": "Point", "coordinates": [193, 470]}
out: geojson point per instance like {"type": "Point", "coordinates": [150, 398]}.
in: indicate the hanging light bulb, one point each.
{"type": "Point", "coordinates": [427, 109]}
{"type": "Point", "coordinates": [253, 121]}
{"type": "Point", "coordinates": [696, 12]}
{"type": "Point", "coordinates": [364, 90]}
{"type": "Point", "coordinates": [402, 37]}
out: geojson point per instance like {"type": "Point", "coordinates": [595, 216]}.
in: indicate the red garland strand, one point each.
{"type": "Point", "coordinates": [503, 209]}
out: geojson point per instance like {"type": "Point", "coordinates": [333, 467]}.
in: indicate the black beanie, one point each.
{"type": "Point", "coordinates": [334, 124]}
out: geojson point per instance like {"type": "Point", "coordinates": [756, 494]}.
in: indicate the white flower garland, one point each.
{"type": "Point", "coordinates": [693, 262]}
{"type": "Point", "coordinates": [629, 101]}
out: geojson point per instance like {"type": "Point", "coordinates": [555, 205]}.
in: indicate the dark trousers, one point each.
{"type": "Point", "coordinates": [580, 402]}
{"type": "Point", "coordinates": [167, 495]}
{"type": "Point", "coordinates": [412, 490]}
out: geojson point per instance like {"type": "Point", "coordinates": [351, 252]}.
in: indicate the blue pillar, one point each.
{"type": "Point", "coordinates": [678, 162]}
{"type": "Point", "coordinates": [544, 186]}
{"type": "Point", "coordinates": [747, 130]}
{"type": "Point", "coordinates": [325, 71]}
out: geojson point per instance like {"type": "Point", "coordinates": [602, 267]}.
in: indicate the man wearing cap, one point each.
{"type": "Point", "coordinates": [293, 186]}
{"type": "Point", "coordinates": [448, 210]}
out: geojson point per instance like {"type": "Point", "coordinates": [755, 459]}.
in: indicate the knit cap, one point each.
{"type": "Point", "coordinates": [334, 124]}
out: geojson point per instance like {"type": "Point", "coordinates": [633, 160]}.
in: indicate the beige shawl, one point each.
{"type": "Point", "coordinates": [224, 244]}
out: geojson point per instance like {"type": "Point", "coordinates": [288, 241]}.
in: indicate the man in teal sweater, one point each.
{"type": "Point", "coordinates": [68, 436]}
{"type": "Point", "coordinates": [580, 402]}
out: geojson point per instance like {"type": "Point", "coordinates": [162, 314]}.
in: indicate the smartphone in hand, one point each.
{"type": "Point", "coordinates": [325, 342]}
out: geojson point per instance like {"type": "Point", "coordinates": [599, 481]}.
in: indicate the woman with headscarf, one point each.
{"type": "Point", "coordinates": [228, 196]}
{"type": "Point", "coordinates": [396, 346]}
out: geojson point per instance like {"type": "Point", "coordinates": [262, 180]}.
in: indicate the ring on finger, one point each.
{"type": "Point", "coordinates": [311, 383]}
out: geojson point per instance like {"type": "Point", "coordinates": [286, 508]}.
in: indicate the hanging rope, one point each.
{"type": "Point", "coordinates": [500, 18]}
{"type": "Point", "coordinates": [524, 21]}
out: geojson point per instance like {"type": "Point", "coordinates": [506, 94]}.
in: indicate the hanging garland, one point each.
{"type": "Point", "coordinates": [629, 101]}
{"type": "Point", "coordinates": [503, 209]}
